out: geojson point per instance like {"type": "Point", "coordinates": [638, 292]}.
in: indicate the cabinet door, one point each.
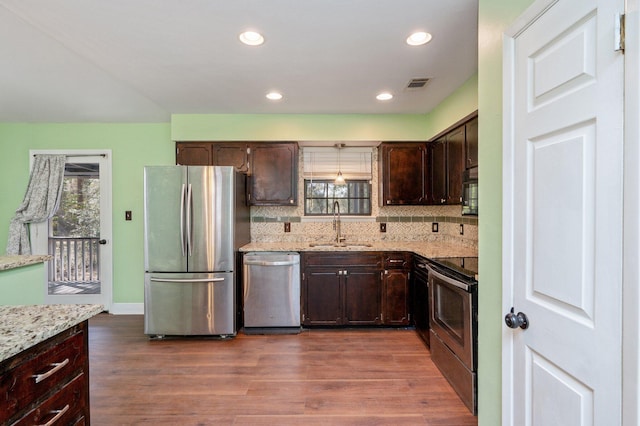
{"type": "Point", "coordinates": [274, 174]}
{"type": "Point", "coordinates": [455, 165]}
{"type": "Point", "coordinates": [231, 154]}
{"type": "Point", "coordinates": [420, 308]}
{"type": "Point", "coordinates": [194, 153]}
{"type": "Point", "coordinates": [438, 171]}
{"type": "Point", "coordinates": [403, 173]}
{"type": "Point", "coordinates": [471, 143]}
{"type": "Point", "coordinates": [322, 304]}
{"type": "Point", "coordinates": [362, 297]}
{"type": "Point", "coordinates": [395, 297]}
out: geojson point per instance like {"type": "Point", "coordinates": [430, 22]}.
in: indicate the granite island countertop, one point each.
{"type": "Point", "coordinates": [425, 249]}
{"type": "Point", "coordinates": [16, 261]}
{"type": "Point", "coordinates": [24, 326]}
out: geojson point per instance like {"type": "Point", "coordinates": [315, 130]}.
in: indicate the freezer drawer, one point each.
{"type": "Point", "coordinates": [271, 290]}
{"type": "Point", "coordinates": [189, 304]}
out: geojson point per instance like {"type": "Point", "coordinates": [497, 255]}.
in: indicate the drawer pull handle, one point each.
{"type": "Point", "coordinates": [56, 367]}
{"type": "Point", "coordinates": [396, 260]}
{"type": "Point", "coordinates": [59, 413]}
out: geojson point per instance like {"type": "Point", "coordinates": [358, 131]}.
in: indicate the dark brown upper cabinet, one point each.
{"type": "Point", "coordinates": [273, 176]}
{"type": "Point", "coordinates": [271, 167]}
{"type": "Point", "coordinates": [471, 143]}
{"type": "Point", "coordinates": [403, 173]}
{"type": "Point", "coordinates": [194, 153]}
{"type": "Point", "coordinates": [449, 155]}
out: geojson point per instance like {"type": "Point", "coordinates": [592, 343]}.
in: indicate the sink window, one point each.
{"type": "Point", "coordinates": [354, 197]}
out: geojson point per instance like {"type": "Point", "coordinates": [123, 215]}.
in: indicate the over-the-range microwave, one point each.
{"type": "Point", "coordinates": [470, 192]}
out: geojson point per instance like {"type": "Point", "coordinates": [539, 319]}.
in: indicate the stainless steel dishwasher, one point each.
{"type": "Point", "coordinates": [271, 292]}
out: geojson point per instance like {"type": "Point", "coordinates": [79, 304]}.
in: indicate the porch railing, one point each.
{"type": "Point", "coordinates": [75, 260]}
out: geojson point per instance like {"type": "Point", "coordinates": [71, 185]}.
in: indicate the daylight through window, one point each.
{"type": "Point", "coordinates": [354, 197]}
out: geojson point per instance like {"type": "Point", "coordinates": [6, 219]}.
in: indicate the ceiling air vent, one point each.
{"type": "Point", "coordinates": [417, 83]}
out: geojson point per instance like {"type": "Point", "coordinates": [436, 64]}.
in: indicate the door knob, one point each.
{"type": "Point", "coordinates": [516, 320]}
{"type": "Point", "coordinates": [103, 242]}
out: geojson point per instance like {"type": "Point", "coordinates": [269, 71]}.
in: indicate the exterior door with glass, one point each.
{"type": "Point", "coordinates": [78, 236]}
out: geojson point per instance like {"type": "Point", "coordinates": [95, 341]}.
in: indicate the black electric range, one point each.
{"type": "Point", "coordinates": [461, 268]}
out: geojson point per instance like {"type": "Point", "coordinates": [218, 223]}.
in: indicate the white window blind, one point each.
{"type": "Point", "coordinates": [322, 162]}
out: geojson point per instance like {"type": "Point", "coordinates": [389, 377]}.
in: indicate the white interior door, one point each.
{"type": "Point", "coordinates": [562, 221]}
{"type": "Point", "coordinates": [78, 237]}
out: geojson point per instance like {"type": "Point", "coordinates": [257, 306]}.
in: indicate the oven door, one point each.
{"type": "Point", "coordinates": [452, 315]}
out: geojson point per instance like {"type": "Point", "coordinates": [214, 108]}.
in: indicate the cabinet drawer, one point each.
{"type": "Point", "coordinates": [67, 406]}
{"type": "Point", "coordinates": [395, 260]}
{"type": "Point", "coordinates": [46, 371]}
{"type": "Point", "coordinates": [342, 259]}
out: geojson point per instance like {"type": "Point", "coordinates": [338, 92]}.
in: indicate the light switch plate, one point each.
{"type": "Point", "coordinates": [127, 215]}
{"type": "Point", "coordinates": [434, 227]}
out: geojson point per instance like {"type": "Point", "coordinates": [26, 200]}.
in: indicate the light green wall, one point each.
{"type": "Point", "coordinates": [295, 127]}
{"type": "Point", "coordinates": [458, 105]}
{"type": "Point", "coordinates": [495, 16]}
{"type": "Point", "coordinates": [133, 146]}
{"type": "Point", "coordinates": [22, 286]}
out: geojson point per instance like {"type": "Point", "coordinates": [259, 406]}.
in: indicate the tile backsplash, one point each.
{"type": "Point", "coordinates": [403, 223]}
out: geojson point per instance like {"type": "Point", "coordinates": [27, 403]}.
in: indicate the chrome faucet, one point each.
{"type": "Point", "coordinates": [336, 223]}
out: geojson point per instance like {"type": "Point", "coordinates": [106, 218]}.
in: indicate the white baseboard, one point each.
{"type": "Point", "coordinates": [127, 309]}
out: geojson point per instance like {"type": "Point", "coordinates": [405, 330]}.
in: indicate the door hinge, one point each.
{"type": "Point", "coordinates": [618, 32]}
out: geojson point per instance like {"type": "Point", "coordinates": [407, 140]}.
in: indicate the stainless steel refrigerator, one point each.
{"type": "Point", "coordinates": [195, 219]}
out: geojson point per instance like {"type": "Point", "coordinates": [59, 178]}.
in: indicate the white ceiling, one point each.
{"type": "Point", "coordinates": [143, 60]}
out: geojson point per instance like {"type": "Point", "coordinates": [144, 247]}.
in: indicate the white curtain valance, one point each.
{"type": "Point", "coordinates": [322, 162]}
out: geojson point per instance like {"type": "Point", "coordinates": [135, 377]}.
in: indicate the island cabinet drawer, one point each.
{"type": "Point", "coordinates": [65, 407]}
{"type": "Point", "coordinates": [38, 373]}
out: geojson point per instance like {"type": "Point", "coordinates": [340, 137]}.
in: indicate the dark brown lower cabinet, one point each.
{"type": "Point", "coordinates": [341, 289]}
{"type": "Point", "coordinates": [362, 296]}
{"type": "Point", "coordinates": [48, 383]}
{"type": "Point", "coordinates": [322, 292]}
{"type": "Point", "coordinates": [420, 298]}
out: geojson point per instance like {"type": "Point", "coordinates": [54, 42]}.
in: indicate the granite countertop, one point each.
{"type": "Point", "coordinates": [24, 326]}
{"type": "Point", "coordinates": [428, 250]}
{"type": "Point", "coordinates": [16, 261]}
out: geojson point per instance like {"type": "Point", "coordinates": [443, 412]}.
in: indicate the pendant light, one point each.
{"type": "Point", "coordinates": [339, 178]}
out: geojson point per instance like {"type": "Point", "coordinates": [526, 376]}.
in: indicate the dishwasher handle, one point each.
{"type": "Point", "coordinates": [271, 263]}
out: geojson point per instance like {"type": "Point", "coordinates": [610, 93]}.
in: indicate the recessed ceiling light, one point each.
{"type": "Point", "coordinates": [384, 96]}
{"type": "Point", "coordinates": [251, 38]}
{"type": "Point", "coordinates": [274, 96]}
{"type": "Point", "coordinates": [418, 38]}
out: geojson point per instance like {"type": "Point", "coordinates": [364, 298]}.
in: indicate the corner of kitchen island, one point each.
{"type": "Point", "coordinates": [44, 363]}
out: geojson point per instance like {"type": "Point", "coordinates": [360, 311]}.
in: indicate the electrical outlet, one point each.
{"type": "Point", "coordinates": [287, 227]}
{"type": "Point", "coordinates": [461, 229]}
{"type": "Point", "coordinates": [434, 227]}
{"type": "Point", "coordinates": [383, 227]}
{"type": "Point", "coordinates": [127, 215]}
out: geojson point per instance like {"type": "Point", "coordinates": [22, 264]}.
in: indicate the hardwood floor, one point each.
{"type": "Point", "coordinates": [319, 377]}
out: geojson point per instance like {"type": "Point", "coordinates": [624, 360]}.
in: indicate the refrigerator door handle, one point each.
{"type": "Point", "coordinates": [194, 280]}
{"type": "Point", "coordinates": [189, 236]}
{"type": "Point", "coordinates": [182, 194]}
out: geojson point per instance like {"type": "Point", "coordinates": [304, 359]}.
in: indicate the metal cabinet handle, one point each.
{"type": "Point", "coordinates": [57, 366]}
{"type": "Point", "coordinates": [59, 413]}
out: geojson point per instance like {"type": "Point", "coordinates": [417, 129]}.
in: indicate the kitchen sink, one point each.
{"type": "Point", "coordinates": [339, 245]}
